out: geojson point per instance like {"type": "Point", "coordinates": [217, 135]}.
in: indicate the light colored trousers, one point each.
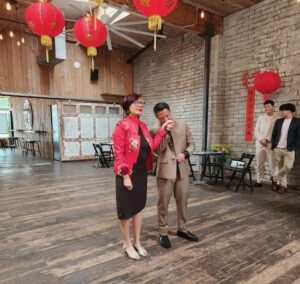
{"type": "Point", "coordinates": [261, 154]}
{"type": "Point", "coordinates": [166, 188]}
{"type": "Point", "coordinates": [284, 161]}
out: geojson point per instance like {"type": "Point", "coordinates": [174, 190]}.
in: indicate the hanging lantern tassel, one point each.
{"type": "Point", "coordinates": [47, 42]}
{"type": "Point", "coordinates": [154, 24]}
{"type": "Point", "coordinates": [92, 52]}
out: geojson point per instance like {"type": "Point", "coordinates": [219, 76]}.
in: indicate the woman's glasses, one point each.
{"type": "Point", "coordinates": [139, 102]}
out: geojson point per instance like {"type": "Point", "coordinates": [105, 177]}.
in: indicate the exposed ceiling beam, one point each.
{"type": "Point", "coordinates": [185, 16]}
{"type": "Point", "coordinates": [200, 6]}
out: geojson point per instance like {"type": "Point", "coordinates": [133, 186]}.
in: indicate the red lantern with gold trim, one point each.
{"type": "Point", "coordinates": [46, 21]}
{"type": "Point", "coordinates": [91, 33]}
{"type": "Point", "coordinates": [267, 82]}
{"type": "Point", "coordinates": [155, 10]}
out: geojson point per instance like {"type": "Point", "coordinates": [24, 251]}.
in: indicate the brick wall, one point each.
{"type": "Point", "coordinates": [174, 74]}
{"type": "Point", "coordinates": [265, 36]}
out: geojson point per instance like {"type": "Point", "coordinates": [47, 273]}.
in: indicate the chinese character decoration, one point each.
{"type": "Point", "coordinates": [249, 121]}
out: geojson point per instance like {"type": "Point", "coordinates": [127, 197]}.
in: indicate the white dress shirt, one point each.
{"type": "Point", "coordinates": [282, 144]}
{"type": "Point", "coordinates": [264, 126]}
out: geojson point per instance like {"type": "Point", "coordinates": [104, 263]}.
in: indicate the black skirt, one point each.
{"type": "Point", "coordinates": [131, 202]}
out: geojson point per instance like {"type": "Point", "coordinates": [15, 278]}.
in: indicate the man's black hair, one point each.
{"type": "Point", "coordinates": [290, 107]}
{"type": "Point", "coordinates": [160, 106]}
{"type": "Point", "coordinates": [269, 102]}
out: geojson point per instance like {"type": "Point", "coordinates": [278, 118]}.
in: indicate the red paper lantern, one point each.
{"type": "Point", "coordinates": [45, 20]}
{"type": "Point", "coordinates": [267, 82]}
{"type": "Point", "coordinates": [155, 10]}
{"type": "Point", "coordinates": [91, 33]}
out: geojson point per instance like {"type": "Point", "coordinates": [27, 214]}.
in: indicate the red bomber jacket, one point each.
{"type": "Point", "coordinates": [127, 144]}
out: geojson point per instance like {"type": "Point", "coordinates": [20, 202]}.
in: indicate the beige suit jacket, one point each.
{"type": "Point", "coordinates": [183, 141]}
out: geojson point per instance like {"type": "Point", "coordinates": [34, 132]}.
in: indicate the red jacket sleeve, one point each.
{"type": "Point", "coordinates": [119, 140]}
{"type": "Point", "coordinates": [157, 139]}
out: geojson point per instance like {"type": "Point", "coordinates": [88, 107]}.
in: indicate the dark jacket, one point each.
{"type": "Point", "coordinates": [293, 139]}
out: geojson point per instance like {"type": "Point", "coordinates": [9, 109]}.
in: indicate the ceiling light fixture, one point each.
{"type": "Point", "coordinates": [1, 36]}
{"type": "Point", "coordinates": [23, 40]}
{"type": "Point", "coordinates": [202, 15]}
{"type": "Point", "coordinates": [8, 6]}
{"type": "Point", "coordinates": [11, 34]}
{"type": "Point", "coordinates": [18, 43]}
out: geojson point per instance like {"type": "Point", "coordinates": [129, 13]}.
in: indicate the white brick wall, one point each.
{"type": "Point", "coordinates": [265, 36]}
{"type": "Point", "coordinates": [174, 74]}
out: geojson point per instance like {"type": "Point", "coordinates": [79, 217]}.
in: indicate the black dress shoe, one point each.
{"type": "Point", "coordinates": [188, 236]}
{"type": "Point", "coordinates": [257, 184]}
{"type": "Point", "coordinates": [164, 241]}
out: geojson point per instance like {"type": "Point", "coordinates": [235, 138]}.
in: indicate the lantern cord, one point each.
{"type": "Point", "coordinates": [47, 54]}
{"type": "Point", "coordinates": [154, 40]}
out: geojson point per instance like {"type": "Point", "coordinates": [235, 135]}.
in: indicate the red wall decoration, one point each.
{"type": "Point", "coordinates": [249, 123]}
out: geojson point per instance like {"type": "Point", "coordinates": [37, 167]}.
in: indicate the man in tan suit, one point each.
{"type": "Point", "coordinates": [173, 174]}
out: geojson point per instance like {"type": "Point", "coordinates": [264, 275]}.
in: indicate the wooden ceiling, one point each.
{"type": "Point", "coordinates": [222, 7]}
{"type": "Point", "coordinates": [185, 18]}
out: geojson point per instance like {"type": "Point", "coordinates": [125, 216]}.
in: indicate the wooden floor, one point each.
{"type": "Point", "coordinates": [58, 225]}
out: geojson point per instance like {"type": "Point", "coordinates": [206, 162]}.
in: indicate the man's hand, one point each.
{"type": "Point", "coordinates": [127, 182]}
{"type": "Point", "coordinates": [180, 158]}
{"type": "Point", "coordinates": [168, 125]}
{"type": "Point", "coordinates": [263, 142]}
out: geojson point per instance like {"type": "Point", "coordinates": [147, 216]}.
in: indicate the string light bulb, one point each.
{"type": "Point", "coordinates": [11, 34]}
{"type": "Point", "coordinates": [23, 40]}
{"type": "Point", "coordinates": [8, 6]}
{"type": "Point", "coordinates": [202, 15]}
{"type": "Point", "coordinates": [1, 36]}
{"type": "Point", "coordinates": [18, 43]}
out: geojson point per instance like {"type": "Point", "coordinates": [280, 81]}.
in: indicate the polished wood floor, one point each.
{"type": "Point", "coordinates": [58, 225]}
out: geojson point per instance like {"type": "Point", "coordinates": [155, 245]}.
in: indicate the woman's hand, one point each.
{"type": "Point", "coordinates": [127, 182]}
{"type": "Point", "coordinates": [168, 125]}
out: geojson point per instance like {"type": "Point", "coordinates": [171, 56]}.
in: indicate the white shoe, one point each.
{"type": "Point", "coordinates": [131, 252]}
{"type": "Point", "coordinates": [141, 250]}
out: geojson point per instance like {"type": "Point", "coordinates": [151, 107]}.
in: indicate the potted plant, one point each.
{"type": "Point", "coordinates": [221, 148]}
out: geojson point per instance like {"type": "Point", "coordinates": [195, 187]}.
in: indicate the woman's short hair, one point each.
{"type": "Point", "coordinates": [128, 100]}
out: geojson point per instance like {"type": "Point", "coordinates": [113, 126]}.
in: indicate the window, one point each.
{"type": "Point", "coordinates": [4, 118]}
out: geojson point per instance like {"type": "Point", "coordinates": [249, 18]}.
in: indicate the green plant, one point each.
{"type": "Point", "coordinates": [224, 148]}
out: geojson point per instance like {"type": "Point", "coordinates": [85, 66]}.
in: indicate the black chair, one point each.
{"type": "Point", "coordinates": [246, 169]}
{"type": "Point", "coordinates": [96, 156]}
{"type": "Point", "coordinates": [192, 174]}
{"type": "Point", "coordinates": [107, 153]}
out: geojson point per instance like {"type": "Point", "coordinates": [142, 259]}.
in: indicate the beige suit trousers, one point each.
{"type": "Point", "coordinates": [263, 153]}
{"type": "Point", "coordinates": [284, 161]}
{"type": "Point", "coordinates": [166, 188]}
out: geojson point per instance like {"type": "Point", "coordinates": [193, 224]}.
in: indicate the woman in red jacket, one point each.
{"type": "Point", "coordinates": [133, 146]}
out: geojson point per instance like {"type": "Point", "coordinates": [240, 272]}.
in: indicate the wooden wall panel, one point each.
{"type": "Point", "coordinates": [21, 73]}
{"type": "Point", "coordinates": [115, 75]}
{"type": "Point", "coordinates": [41, 121]}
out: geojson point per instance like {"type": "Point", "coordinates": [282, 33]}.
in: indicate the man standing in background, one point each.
{"type": "Point", "coordinates": [285, 140]}
{"type": "Point", "coordinates": [263, 134]}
